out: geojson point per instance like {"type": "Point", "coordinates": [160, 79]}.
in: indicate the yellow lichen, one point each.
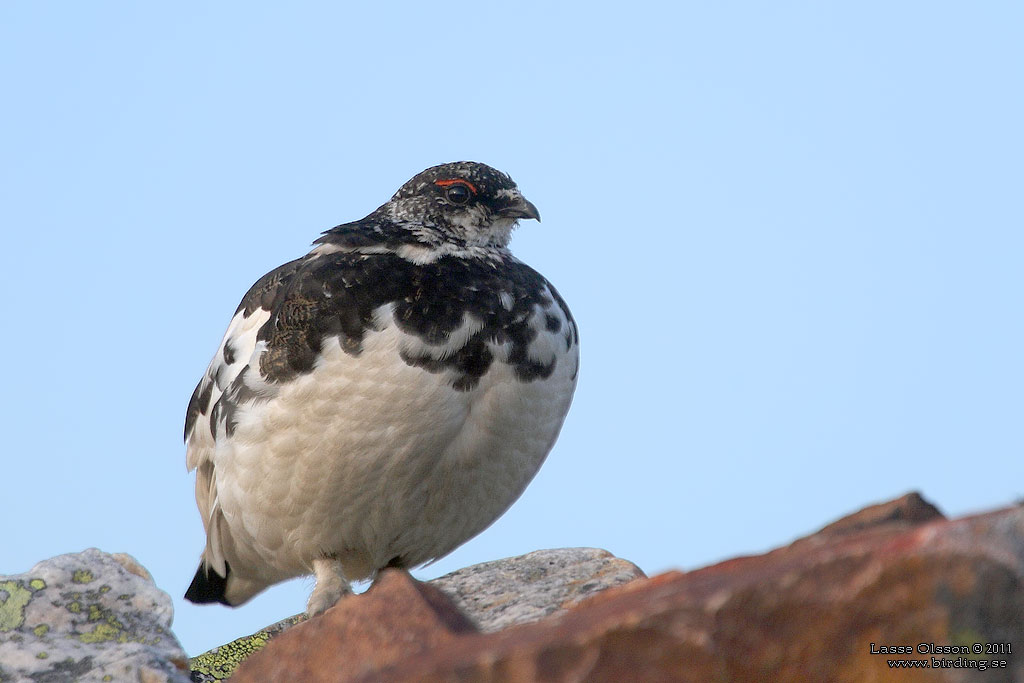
{"type": "Point", "coordinates": [82, 576]}
{"type": "Point", "coordinates": [41, 630]}
{"type": "Point", "coordinates": [101, 634]}
{"type": "Point", "coordinates": [37, 584]}
{"type": "Point", "coordinates": [42, 655]}
{"type": "Point", "coordinates": [12, 610]}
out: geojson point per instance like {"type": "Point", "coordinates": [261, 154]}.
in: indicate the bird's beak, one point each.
{"type": "Point", "coordinates": [521, 207]}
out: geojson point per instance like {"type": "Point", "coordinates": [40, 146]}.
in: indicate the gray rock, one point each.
{"type": "Point", "coordinates": [517, 590]}
{"type": "Point", "coordinates": [88, 616]}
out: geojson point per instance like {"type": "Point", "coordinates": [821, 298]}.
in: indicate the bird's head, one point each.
{"type": "Point", "coordinates": [465, 201]}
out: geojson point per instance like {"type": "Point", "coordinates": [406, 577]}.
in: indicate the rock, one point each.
{"type": "Point", "coordinates": [821, 608]}
{"type": "Point", "coordinates": [903, 512]}
{"type": "Point", "coordinates": [87, 616]}
{"type": "Point", "coordinates": [493, 595]}
{"type": "Point", "coordinates": [518, 590]}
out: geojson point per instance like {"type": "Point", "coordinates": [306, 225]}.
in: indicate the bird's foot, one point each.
{"type": "Point", "coordinates": [331, 586]}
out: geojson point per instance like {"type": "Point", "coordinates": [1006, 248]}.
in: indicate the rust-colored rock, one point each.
{"type": "Point", "coordinates": [397, 618]}
{"type": "Point", "coordinates": [820, 609]}
{"type": "Point", "coordinates": [905, 512]}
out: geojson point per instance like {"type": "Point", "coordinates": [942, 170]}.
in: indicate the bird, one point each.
{"type": "Point", "coordinates": [381, 400]}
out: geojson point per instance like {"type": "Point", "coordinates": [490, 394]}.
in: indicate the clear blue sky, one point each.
{"type": "Point", "coordinates": [791, 234]}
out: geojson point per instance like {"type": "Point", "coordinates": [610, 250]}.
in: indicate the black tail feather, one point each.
{"type": "Point", "coordinates": [208, 586]}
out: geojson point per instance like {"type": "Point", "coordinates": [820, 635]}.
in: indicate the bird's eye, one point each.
{"type": "Point", "coordinates": [457, 194]}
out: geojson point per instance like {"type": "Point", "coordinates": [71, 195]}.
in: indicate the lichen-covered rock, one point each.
{"type": "Point", "coordinates": [88, 616]}
{"type": "Point", "coordinates": [518, 590]}
{"type": "Point", "coordinates": [220, 663]}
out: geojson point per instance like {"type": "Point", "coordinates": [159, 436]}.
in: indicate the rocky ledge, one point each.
{"type": "Point", "coordinates": [893, 592]}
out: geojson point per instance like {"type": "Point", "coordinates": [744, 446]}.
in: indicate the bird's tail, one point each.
{"type": "Point", "coordinates": [209, 586]}
{"type": "Point", "coordinates": [231, 590]}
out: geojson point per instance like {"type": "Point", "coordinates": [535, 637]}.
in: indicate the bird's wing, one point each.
{"type": "Point", "coordinates": [233, 356]}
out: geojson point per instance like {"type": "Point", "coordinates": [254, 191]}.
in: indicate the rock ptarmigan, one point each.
{"type": "Point", "coordinates": [383, 399]}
